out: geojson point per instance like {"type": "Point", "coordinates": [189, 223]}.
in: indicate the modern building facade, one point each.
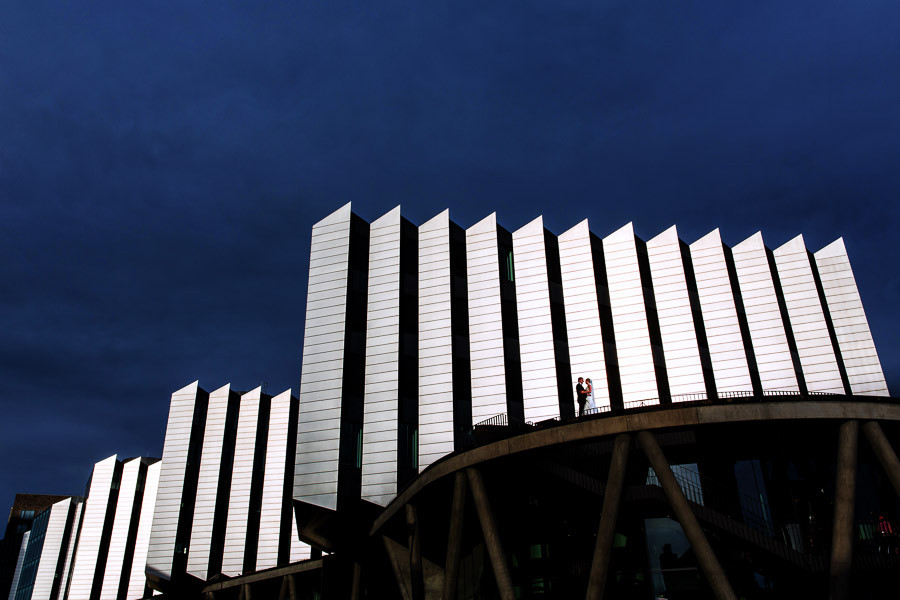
{"type": "Point", "coordinates": [223, 504]}
{"type": "Point", "coordinates": [730, 384]}
{"type": "Point", "coordinates": [93, 547]}
{"type": "Point", "coordinates": [414, 334]}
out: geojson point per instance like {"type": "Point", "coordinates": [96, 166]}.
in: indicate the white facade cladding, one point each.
{"type": "Point", "coordinates": [676, 321]}
{"type": "Point", "coordinates": [505, 323]}
{"type": "Point", "coordinates": [20, 562]}
{"type": "Point", "coordinates": [241, 483]}
{"type": "Point", "coordinates": [169, 501]}
{"type": "Point", "coordinates": [536, 350]}
{"type": "Point", "coordinates": [585, 333]}
{"type": "Point", "coordinates": [55, 543]}
{"type": "Point", "coordinates": [208, 480]}
{"type": "Point", "coordinates": [237, 487]}
{"type": "Point", "coordinates": [817, 356]}
{"type": "Point", "coordinates": [137, 580]}
{"type": "Point", "coordinates": [629, 314]}
{"type": "Point", "coordinates": [382, 372]}
{"type": "Point", "coordinates": [74, 530]}
{"type": "Point", "coordinates": [764, 320]}
{"type": "Point", "coordinates": [276, 512]}
{"type": "Point", "coordinates": [720, 317]}
{"type": "Point", "coordinates": [89, 555]}
{"type": "Point", "coordinates": [487, 370]}
{"type": "Point", "coordinates": [849, 319]}
{"type": "Point", "coordinates": [321, 378]}
{"type": "Point", "coordinates": [435, 377]}
{"type": "Point", "coordinates": [118, 541]}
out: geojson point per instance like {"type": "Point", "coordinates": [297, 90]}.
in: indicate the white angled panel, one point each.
{"type": "Point", "coordinates": [242, 474]}
{"type": "Point", "coordinates": [273, 481]}
{"type": "Point", "coordinates": [485, 320]}
{"type": "Point", "coordinates": [208, 483]}
{"type": "Point", "coordinates": [576, 262]}
{"type": "Point", "coordinates": [319, 429]}
{"type": "Point", "coordinates": [539, 389]}
{"type": "Point", "coordinates": [87, 557]}
{"type": "Point", "coordinates": [54, 539]}
{"type": "Point", "coordinates": [17, 571]}
{"type": "Point", "coordinates": [435, 341]}
{"type": "Point", "coordinates": [171, 481]}
{"type": "Point", "coordinates": [115, 558]}
{"type": "Point", "coordinates": [382, 379]}
{"type": "Point", "coordinates": [849, 319]}
{"type": "Point", "coordinates": [629, 314]}
{"type": "Point", "coordinates": [770, 344]}
{"type": "Point", "coordinates": [379, 461]}
{"type": "Point", "coordinates": [820, 368]}
{"type": "Point", "coordinates": [72, 535]}
{"type": "Point", "coordinates": [138, 580]}
{"type": "Point", "coordinates": [720, 319]}
{"type": "Point", "coordinates": [676, 321]}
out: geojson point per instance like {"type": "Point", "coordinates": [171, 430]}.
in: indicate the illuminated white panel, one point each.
{"type": "Point", "coordinates": [70, 550]}
{"type": "Point", "coordinates": [382, 385]}
{"type": "Point", "coordinates": [770, 344]}
{"type": "Point", "coordinates": [273, 499]}
{"type": "Point", "coordinates": [720, 319]}
{"type": "Point", "coordinates": [115, 558]}
{"type": "Point", "coordinates": [54, 538]}
{"type": "Point", "coordinates": [629, 314]}
{"type": "Point", "coordinates": [485, 320]}
{"type": "Point", "coordinates": [849, 320]}
{"type": "Point", "coordinates": [820, 368]}
{"type": "Point", "coordinates": [87, 557]}
{"type": "Point", "coordinates": [435, 341]}
{"type": "Point", "coordinates": [242, 475]}
{"type": "Point", "coordinates": [582, 311]}
{"type": "Point", "coordinates": [17, 572]}
{"type": "Point", "coordinates": [676, 321]}
{"type": "Point", "coordinates": [171, 481]}
{"type": "Point", "coordinates": [539, 389]}
{"type": "Point", "coordinates": [318, 437]}
{"type": "Point", "coordinates": [208, 483]}
{"type": "Point", "coordinates": [138, 580]}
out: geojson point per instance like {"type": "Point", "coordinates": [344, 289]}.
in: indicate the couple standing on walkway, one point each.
{"type": "Point", "coordinates": [584, 392]}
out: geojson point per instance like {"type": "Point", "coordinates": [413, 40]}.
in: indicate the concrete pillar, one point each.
{"type": "Point", "coordinates": [491, 536]}
{"type": "Point", "coordinates": [416, 576]}
{"type": "Point", "coordinates": [844, 497]}
{"type": "Point", "coordinates": [715, 575]}
{"type": "Point", "coordinates": [608, 518]}
{"type": "Point", "coordinates": [355, 584]}
{"type": "Point", "coordinates": [454, 539]}
{"type": "Point", "coordinates": [292, 587]}
{"type": "Point", "coordinates": [885, 453]}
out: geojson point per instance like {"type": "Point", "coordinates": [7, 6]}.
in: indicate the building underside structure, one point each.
{"type": "Point", "coordinates": [758, 497]}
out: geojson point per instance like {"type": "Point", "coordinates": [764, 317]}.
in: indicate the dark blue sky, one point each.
{"type": "Point", "coordinates": [161, 165]}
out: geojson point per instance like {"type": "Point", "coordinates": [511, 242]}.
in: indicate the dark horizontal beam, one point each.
{"type": "Point", "coordinates": [300, 567]}
{"type": "Point", "coordinates": [672, 417]}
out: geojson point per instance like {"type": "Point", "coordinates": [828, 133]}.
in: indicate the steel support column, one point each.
{"type": "Point", "coordinates": [885, 453]}
{"type": "Point", "coordinates": [844, 497]}
{"type": "Point", "coordinates": [612, 495]}
{"type": "Point", "coordinates": [491, 535]}
{"type": "Point", "coordinates": [416, 575]}
{"type": "Point", "coordinates": [454, 539]}
{"type": "Point", "coordinates": [715, 575]}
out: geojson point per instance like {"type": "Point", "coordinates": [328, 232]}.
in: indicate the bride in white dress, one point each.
{"type": "Point", "coordinates": [591, 405]}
